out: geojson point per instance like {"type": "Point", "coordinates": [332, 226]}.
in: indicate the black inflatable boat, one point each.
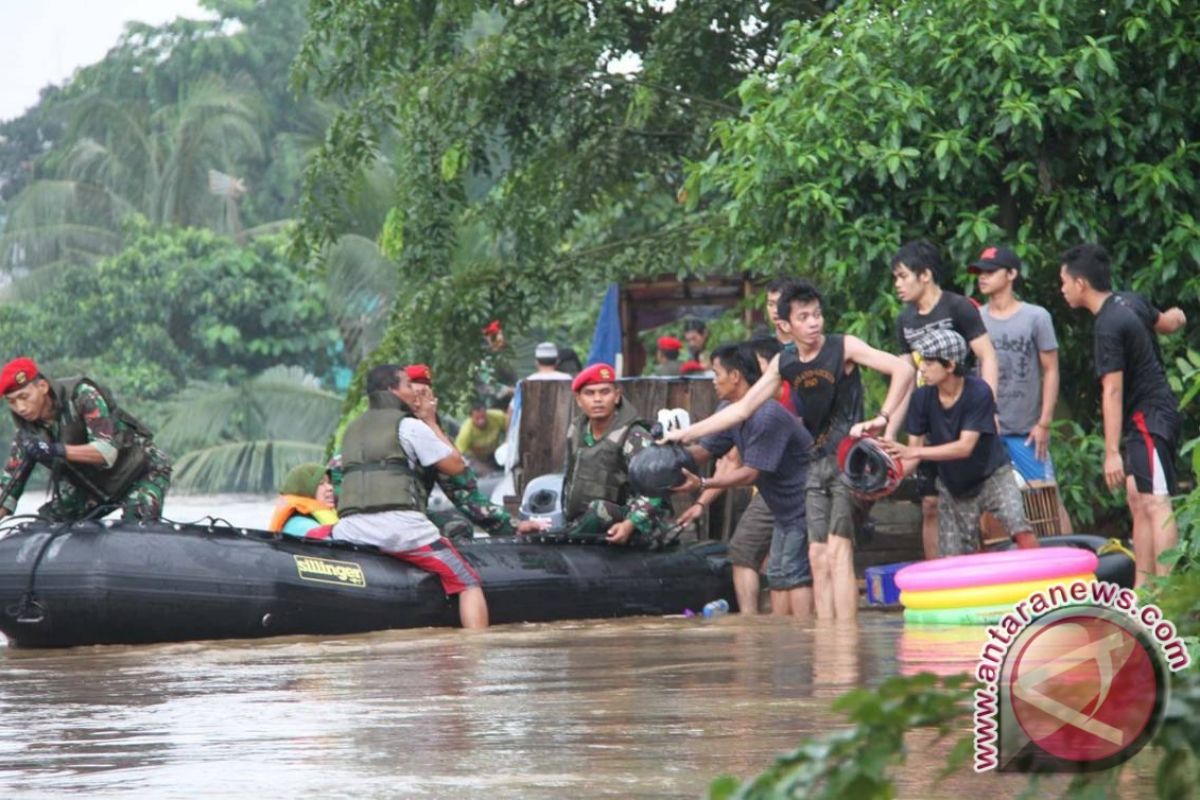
{"type": "Point", "coordinates": [116, 583]}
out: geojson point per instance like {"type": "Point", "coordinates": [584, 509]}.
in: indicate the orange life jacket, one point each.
{"type": "Point", "coordinates": [291, 504]}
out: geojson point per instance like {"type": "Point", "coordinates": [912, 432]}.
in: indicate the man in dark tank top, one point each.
{"type": "Point", "coordinates": [826, 388]}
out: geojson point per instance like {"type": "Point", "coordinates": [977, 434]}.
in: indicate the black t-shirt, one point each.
{"type": "Point", "coordinates": [951, 312]}
{"type": "Point", "coordinates": [1123, 343]}
{"type": "Point", "coordinates": [1146, 312]}
{"type": "Point", "coordinates": [828, 398]}
{"type": "Point", "coordinates": [975, 410]}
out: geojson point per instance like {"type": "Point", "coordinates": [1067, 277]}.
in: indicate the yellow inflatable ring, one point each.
{"type": "Point", "coordinates": [992, 595]}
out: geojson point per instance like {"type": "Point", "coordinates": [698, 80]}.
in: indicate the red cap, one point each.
{"type": "Point", "coordinates": [596, 373]}
{"type": "Point", "coordinates": [17, 373]}
{"type": "Point", "coordinates": [419, 373]}
{"type": "Point", "coordinates": [492, 328]}
{"type": "Point", "coordinates": [669, 343]}
{"type": "Point", "coordinates": [690, 366]}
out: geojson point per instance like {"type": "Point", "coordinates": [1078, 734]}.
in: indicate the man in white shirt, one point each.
{"type": "Point", "coordinates": [382, 500]}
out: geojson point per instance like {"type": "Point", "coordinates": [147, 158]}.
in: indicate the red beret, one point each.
{"type": "Point", "coordinates": [492, 328]}
{"type": "Point", "coordinates": [690, 366]}
{"type": "Point", "coordinates": [669, 343]}
{"type": "Point", "coordinates": [17, 373]}
{"type": "Point", "coordinates": [419, 373]}
{"type": "Point", "coordinates": [596, 373]}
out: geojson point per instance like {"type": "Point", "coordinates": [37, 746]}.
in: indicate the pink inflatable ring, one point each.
{"type": "Point", "coordinates": [988, 569]}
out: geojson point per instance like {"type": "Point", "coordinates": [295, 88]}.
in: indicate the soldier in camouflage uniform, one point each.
{"type": "Point", "coordinates": [97, 453]}
{"type": "Point", "coordinates": [598, 500]}
{"type": "Point", "coordinates": [495, 377]}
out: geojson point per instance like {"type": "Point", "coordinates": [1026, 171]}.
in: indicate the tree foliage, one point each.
{"type": "Point", "coordinates": [969, 122]}
{"type": "Point", "coordinates": [140, 130]}
{"type": "Point", "coordinates": [245, 438]}
{"type": "Point", "coordinates": [538, 147]}
{"type": "Point", "coordinates": [174, 305]}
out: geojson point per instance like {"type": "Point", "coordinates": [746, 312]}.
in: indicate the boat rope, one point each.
{"type": "Point", "coordinates": [29, 610]}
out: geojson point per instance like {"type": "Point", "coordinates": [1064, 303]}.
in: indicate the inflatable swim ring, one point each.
{"type": "Point", "coordinates": [991, 595]}
{"type": "Point", "coordinates": [973, 615]}
{"type": "Point", "coordinates": [987, 569]}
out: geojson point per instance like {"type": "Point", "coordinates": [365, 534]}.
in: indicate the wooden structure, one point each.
{"type": "Point", "coordinates": [652, 302]}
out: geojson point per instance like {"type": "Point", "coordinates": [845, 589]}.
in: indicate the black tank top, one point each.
{"type": "Point", "coordinates": [829, 399]}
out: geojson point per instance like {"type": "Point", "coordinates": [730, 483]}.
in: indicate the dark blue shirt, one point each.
{"type": "Point", "coordinates": [776, 444]}
{"type": "Point", "coordinates": [975, 410]}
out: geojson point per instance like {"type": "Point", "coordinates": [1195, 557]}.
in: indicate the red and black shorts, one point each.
{"type": "Point", "coordinates": [442, 559]}
{"type": "Point", "coordinates": [1150, 459]}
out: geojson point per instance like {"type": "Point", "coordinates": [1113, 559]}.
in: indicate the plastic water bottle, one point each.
{"type": "Point", "coordinates": [716, 608]}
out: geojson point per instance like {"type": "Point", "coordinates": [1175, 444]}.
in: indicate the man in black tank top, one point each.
{"type": "Point", "coordinates": [826, 389]}
{"type": "Point", "coordinates": [916, 273]}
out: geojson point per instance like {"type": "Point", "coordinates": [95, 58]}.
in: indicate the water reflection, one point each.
{"type": "Point", "coordinates": [633, 708]}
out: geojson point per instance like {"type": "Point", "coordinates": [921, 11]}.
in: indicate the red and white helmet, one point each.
{"type": "Point", "coordinates": [868, 469]}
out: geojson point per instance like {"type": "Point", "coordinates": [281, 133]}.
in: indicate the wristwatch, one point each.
{"type": "Point", "coordinates": [703, 483]}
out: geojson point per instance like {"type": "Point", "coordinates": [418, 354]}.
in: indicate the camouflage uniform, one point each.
{"type": "Point", "coordinates": [495, 377]}
{"type": "Point", "coordinates": [472, 508]}
{"type": "Point", "coordinates": [142, 501]}
{"type": "Point", "coordinates": [648, 514]}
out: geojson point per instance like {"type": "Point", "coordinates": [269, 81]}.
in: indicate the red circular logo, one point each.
{"type": "Point", "coordinates": [1084, 688]}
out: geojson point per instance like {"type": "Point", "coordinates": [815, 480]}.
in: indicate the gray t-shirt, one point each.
{"type": "Point", "coordinates": [1019, 340]}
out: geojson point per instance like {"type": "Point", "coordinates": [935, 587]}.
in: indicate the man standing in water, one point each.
{"type": "Point", "coordinates": [775, 450]}
{"type": "Point", "coordinates": [916, 273]}
{"type": "Point", "coordinates": [97, 453]}
{"type": "Point", "coordinates": [606, 434]}
{"type": "Point", "coordinates": [383, 500]}
{"type": "Point", "coordinates": [952, 425]}
{"type": "Point", "coordinates": [823, 373]}
{"type": "Point", "coordinates": [1141, 414]}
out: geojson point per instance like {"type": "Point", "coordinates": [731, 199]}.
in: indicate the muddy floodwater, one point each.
{"type": "Point", "coordinates": [638, 708]}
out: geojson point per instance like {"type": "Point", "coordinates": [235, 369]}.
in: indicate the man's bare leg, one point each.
{"type": "Point", "coordinates": [1160, 520]}
{"type": "Point", "coordinates": [746, 587]}
{"type": "Point", "coordinates": [929, 526]}
{"type": "Point", "coordinates": [844, 586]}
{"type": "Point", "coordinates": [800, 602]}
{"type": "Point", "coordinates": [1143, 533]}
{"type": "Point", "coordinates": [472, 608]}
{"type": "Point", "coordinates": [818, 558]}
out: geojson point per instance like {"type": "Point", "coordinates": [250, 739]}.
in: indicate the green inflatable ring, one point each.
{"type": "Point", "coordinates": [970, 615]}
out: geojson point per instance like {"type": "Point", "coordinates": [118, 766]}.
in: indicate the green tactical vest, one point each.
{"type": "Point", "coordinates": [130, 439]}
{"type": "Point", "coordinates": [376, 474]}
{"type": "Point", "coordinates": [599, 472]}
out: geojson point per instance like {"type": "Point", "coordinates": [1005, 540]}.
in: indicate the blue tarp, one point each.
{"type": "Point", "coordinates": [606, 340]}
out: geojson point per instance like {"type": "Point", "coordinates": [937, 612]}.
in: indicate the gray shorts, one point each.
{"type": "Point", "coordinates": [831, 508]}
{"type": "Point", "coordinates": [958, 517]}
{"type": "Point", "coordinates": [751, 540]}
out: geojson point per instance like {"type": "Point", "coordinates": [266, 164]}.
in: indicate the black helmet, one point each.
{"type": "Point", "coordinates": [657, 468]}
{"type": "Point", "coordinates": [867, 468]}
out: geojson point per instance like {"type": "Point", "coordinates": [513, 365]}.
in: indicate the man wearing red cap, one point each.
{"type": "Point", "coordinates": [495, 377]}
{"type": "Point", "coordinates": [608, 432]}
{"type": "Point", "coordinates": [668, 356]}
{"type": "Point", "coordinates": [98, 454]}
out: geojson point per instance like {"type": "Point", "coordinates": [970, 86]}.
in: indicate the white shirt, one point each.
{"type": "Point", "coordinates": [398, 531]}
